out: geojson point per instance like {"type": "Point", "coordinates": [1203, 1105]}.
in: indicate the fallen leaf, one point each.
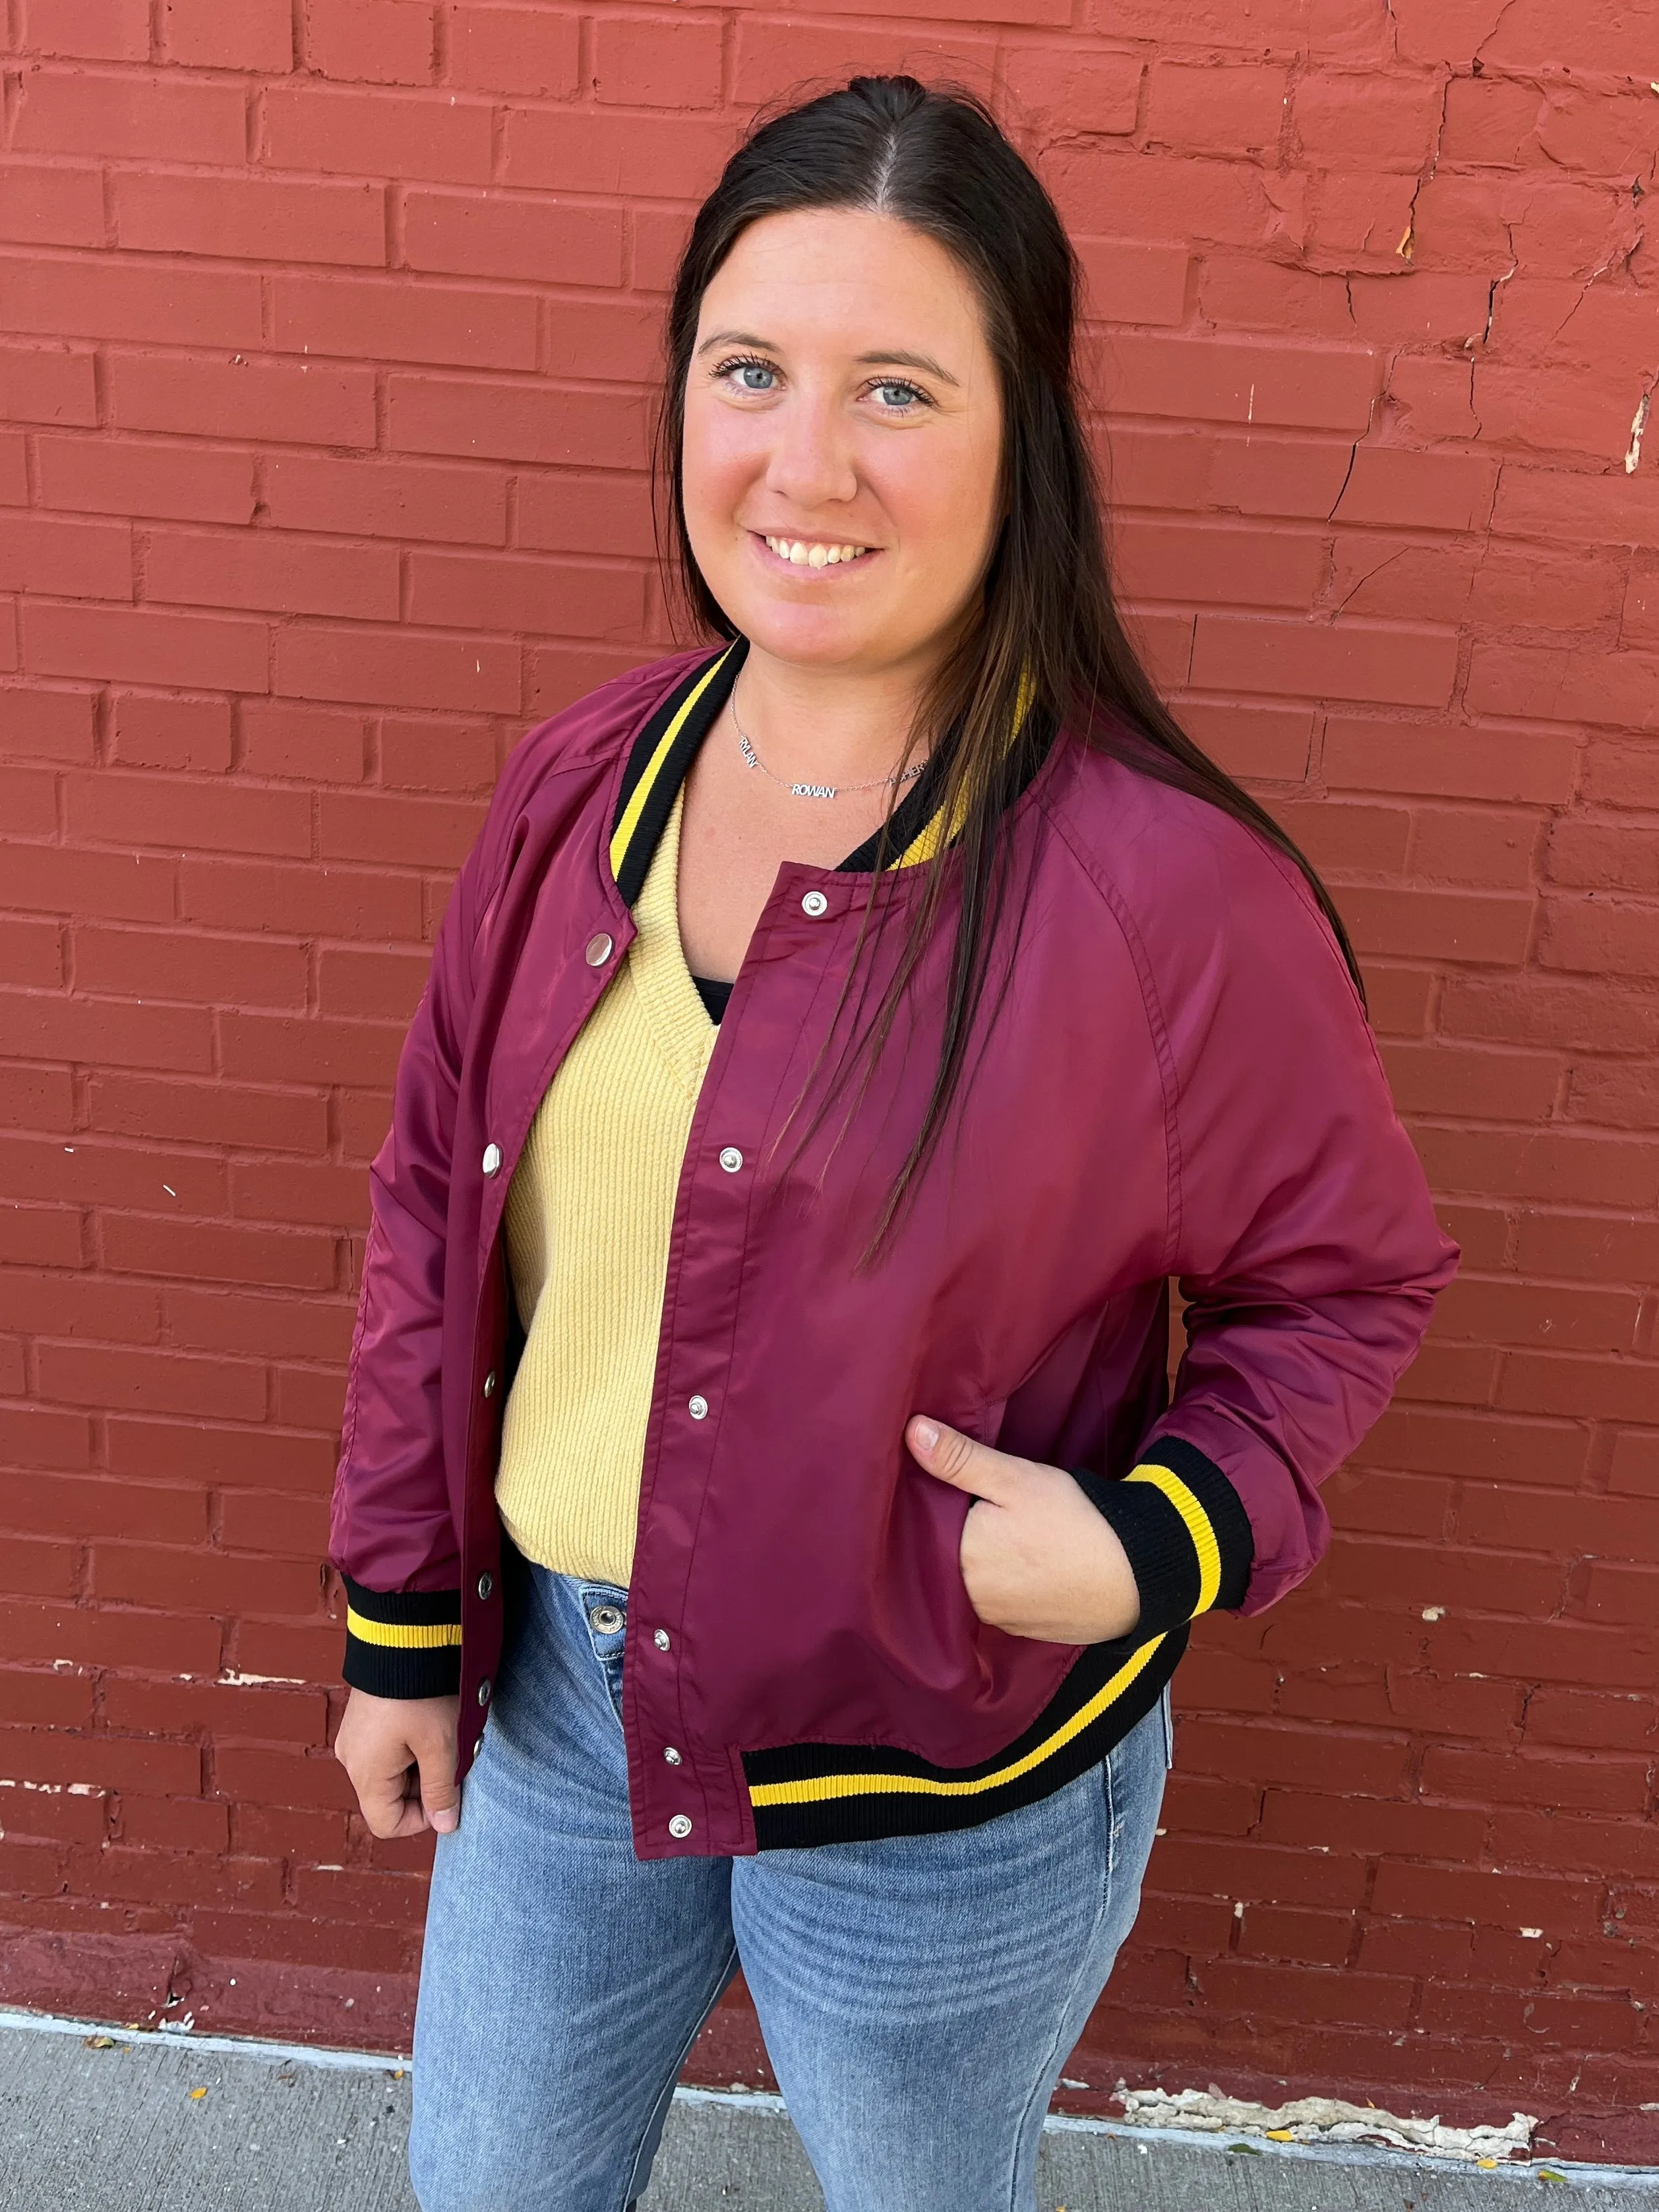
{"type": "Point", "coordinates": [99, 2042]}
{"type": "Point", "coordinates": [1281, 2134]}
{"type": "Point", "coordinates": [1488, 2163]}
{"type": "Point", "coordinates": [196, 2095]}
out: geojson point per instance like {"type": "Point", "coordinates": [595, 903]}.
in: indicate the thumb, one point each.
{"type": "Point", "coordinates": [958, 1460]}
{"type": "Point", "coordinates": [440, 1794]}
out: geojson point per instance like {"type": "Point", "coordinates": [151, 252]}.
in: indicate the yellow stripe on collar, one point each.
{"type": "Point", "coordinates": [622, 835]}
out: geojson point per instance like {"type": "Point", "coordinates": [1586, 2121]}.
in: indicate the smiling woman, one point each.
{"type": "Point", "coordinates": [840, 1035]}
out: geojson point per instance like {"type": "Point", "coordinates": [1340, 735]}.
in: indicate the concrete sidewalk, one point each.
{"type": "Point", "coordinates": [178, 2124]}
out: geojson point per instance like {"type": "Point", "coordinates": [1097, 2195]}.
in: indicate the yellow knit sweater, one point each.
{"type": "Point", "coordinates": [588, 1218]}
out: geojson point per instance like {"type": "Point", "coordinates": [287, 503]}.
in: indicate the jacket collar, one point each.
{"type": "Point", "coordinates": [661, 760]}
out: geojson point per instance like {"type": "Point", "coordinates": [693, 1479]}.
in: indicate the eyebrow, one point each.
{"type": "Point", "coordinates": [896, 359]}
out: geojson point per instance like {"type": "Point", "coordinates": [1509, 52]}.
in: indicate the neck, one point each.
{"type": "Point", "coordinates": [830, 725]}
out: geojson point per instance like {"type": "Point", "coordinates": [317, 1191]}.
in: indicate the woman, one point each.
{"type": "Point", "coordinates": [837, 1039]}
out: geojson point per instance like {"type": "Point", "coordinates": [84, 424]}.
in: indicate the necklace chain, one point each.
{"type": "Point", "coordinates": [752, 759]}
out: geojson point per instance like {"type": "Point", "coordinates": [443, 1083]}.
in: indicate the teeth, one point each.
{"type": "Point", "coordinates": [800, 554]}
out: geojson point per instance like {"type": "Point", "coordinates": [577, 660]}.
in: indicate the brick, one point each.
{"type": "Point", "coordinates": [1270, 744]}
{"type": "Point", "coordinates": [152, 810]}
{"type": "Point", "coordinates": [263, 1328]}
{"type": "Point", "coordinates": [310, 1397]}
{"type": "Point", "coordinates": [133, 300]}
{"type": "Point", "coordinates": [133, 1244]}
{"type": "Point", "coordinates": [397, 321]}
{"type": "Point", "coordinates": [1240, 292]}
{"type": "Point", "coordinates": [1102, 187]}
{"type": "Point", "coordinates": [1340, 27]}
{"type": "Point", "coordinates": [149, 1381]}
{"type": "Point", "coordinates": [1464, 927]}
{"type": "Point", "coordinates": [387, 499]}
{"type": "Point", "coordinates": [211, 1113]}
{"type": "Point", "coordinates": [1601, 936]}
{"type": "Point", "coordinates": [1564, 1319]}
{"type": "Point", "coordinates": [1129, 282]}
{"type": "Point", "coordinates": [45, 722]}
{"type": "Point", "coordinates": [495, 235]}
{"type": "Point", "coordinates": [251, 218]}
{"type": "Point", "coordinates": [1216, 380]}
{"type": "Point", "coordinates": [52, 879]}
{"type": "Point", "coordinates": [171, 733]}
{"type": "Point", "coordinates": [50, 206]}
{"type": "Point", "coordinates": [1614, 1390]}
{"type": "Point", "coordinates": [45, 1027]}
{"type": "Point", "coordinates": [1419, 306]}
{"type": "Point", "coordinates": [640, 61]}
{"type": "Point", "coordinates": [192, 1824]}
{"type": "Point", "coordinates": [45, 553]}
{"type": "Point", "coordinates": [541, 596]}
{"type": "Point", "coordinates": [312, 744]}
{"type": "Point", "coordinates": [506, 422]}
{"type": "Point", "coordinates": [255, 34]}
{"type": "Point", "coordinates": [571, 513]}
{"type": "Point", "coordinates": [1635, 1465]}
{"type": "Point", "coordinates": [28, 800]}
{"type": "Point", "coordinates": [30, 955]}
{"type": "Point", "coordinates": [378, 134]}
{"type": "Point", "coordinates": [530, 53]}
{"type": "Point", "coordinates": [382, 985]}
{"type": "Point", "coordinates": [301, 901]}
{"type": "Point", "coordinates": [13, 470]}
{"type": "Point", "coordinates": [133, 116]}
{"type": "Point", "coordinates": [288, 1192]}
{"type": "Point", "coordinates": [38, 1700]}
{"type": "Point", "coordinates": [1622, 1095]}
{"type": "Point", "coordinates": [626, 335]}
{"type": "Point", "coordinates": [1571, 1166]}
{"type": "Point", "coordinates": [418, 832]}
{"type": "Point", "coordinates": [1399, 489]}
{"type": "Point", "coordinates": [371, 41]}
{"type": "Point", "coordinates": [1485, 846]}
{"type": "Point", "coordinates": [1621, 776]}
{"type": "Point", "coordinates": [110, 476]}
{"type": "Point", "coordinates": [398, 668]}
{"type": "Point", "coordinates": [1366, 121]}
{"type": "Point", "coordinates": [1365, 662]}
{"type": "Point", "coordinates": [203, 970]}
{"type": "Point", "coordinates": [95, 30]}
{"type": "Point", "coordinates": [1198, 108]}
{"type": "Point", "coordinates": [41, 1236]}
{"type": "Point", "coordinates": [272, 572]}
{"type": "Point", "coordinates": [47, 384]}
{"type": "Point", "coordinates": [430, 756]}
{"type": "Point", "coordinates": [264, 1457]}
{"type": "Point", "coordinates": [266, 1048]}
{"type": "Point", "coordinates": [1456, 1081]}
{"type": "Point", "coordinates": [659, 237]}
{"type": "Point", "coordinates": [87, 1636]}
{"type": "Point", "coordinates": [1156, 559]}
{"type": "Point", "coordinates": [1065, 82]}
{"type": "Point", "coordinates": [1558, 505]}
{"type": "Point", "coordinates": [1521, 767]}
{"type": "Point", "coordinates": [574, 150]}
{"type": "Point", "coordinates": [288, 402]}
{"type": "Point", "coordinates": [201, 1581]}
{"type": "Point", "coordinates": [1550, 410]}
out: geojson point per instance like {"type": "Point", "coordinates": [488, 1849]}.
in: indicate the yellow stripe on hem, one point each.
{"type": "Point", "coordinates": [622, 835]}
{"type": "Point", "coordinates": [405, 1635]}
{"type": "Point", "coordinates": [1198, 1528]}
{"type": "Point", "coordinates": [819, 1788]}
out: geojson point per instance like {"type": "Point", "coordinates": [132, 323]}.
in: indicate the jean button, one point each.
{"type": "Point", "coordinates": [607, 1619]}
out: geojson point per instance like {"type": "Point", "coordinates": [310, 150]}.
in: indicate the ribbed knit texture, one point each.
{"type": "Point", "coordinates": [588, 1218]}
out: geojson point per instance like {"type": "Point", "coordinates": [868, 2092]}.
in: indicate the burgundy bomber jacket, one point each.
{"type": "Point", "coordinates": [1178, 1081]}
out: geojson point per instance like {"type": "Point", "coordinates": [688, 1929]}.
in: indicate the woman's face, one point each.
{"type": "Point", "coordinates": [843, 428]}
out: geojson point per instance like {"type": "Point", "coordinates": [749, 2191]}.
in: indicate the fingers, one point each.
{"type": "Point", "coordinates": [440, 1794]}
{"type": "Point", "coordinates": [958, 1460]}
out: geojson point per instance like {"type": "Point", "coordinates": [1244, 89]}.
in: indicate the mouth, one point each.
{"type": "Point", "coordinates": [814, 553]}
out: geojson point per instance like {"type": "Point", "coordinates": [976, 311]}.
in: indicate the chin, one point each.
{"type": "Point", "coordinates": [821, 637]}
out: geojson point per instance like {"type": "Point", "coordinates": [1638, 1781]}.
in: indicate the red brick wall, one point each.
{"type": "Point", "coordinates": [327, 329]}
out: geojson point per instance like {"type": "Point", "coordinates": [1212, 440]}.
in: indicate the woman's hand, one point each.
{"type": "Point", "coordinates": [400, 1754]}
{"type": "Point", "coordinates": [1038, 1560]}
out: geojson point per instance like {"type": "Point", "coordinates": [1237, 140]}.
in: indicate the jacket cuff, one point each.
{"type": "Point", "coordinates": [402, 1644]}
{"type": "Point", "coordinates": [1185, 1531]}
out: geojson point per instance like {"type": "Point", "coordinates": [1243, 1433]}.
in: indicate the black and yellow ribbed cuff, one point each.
{"type": "Point", "coordinates": [402, 1644]}
{"type": "Point", "coordinates": [1185, 1529]}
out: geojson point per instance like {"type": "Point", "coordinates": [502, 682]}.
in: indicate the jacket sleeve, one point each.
{"type": "Point", "coordinates": [1303, 1238]}
{"type": "Point", "coordinates": [392, 1534]}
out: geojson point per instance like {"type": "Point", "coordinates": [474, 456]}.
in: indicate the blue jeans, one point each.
{"type": "Point", "coordinates": [919, 1996]}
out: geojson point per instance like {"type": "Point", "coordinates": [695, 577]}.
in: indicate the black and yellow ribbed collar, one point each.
{"type": "Point", "coordinates": [661, 760]}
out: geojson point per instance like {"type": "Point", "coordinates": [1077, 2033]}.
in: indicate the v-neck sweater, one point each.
{"type": "Point", "coordinates": [588, 1218]}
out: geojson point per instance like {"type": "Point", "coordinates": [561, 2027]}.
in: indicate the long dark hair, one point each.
{"type": "Point", "coordinates": [937, 161]}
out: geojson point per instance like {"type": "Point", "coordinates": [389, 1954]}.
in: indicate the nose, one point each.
{"type": "Point", "coordinates": [811, 463]}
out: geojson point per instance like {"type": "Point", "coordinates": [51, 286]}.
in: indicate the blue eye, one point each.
{"type": "Point", "coordinates": [751, 375]}
{"type": "Point", "coordinates": [894, 394]}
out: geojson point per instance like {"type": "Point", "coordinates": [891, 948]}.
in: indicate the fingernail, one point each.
{"type": "Point", "coordinates": [926, 1435]}
{"type": "Point", "coordinates": [447, 1821]}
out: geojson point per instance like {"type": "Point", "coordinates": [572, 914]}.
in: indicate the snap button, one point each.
{"type": "Point", "coordinates": [599, 949]}
{"type": "Point", "coordinates": [697, 1407]}
{"type": "Point", "coordinates": [483, 1691]}
{"type": "Point", "coordinates": [731, 1159]}
{"type": "Point", "coordinates": [492, 1159]}
{"type": "Point", "coordinates": [660, 1639]}
{"type": "Point", "coordinates": [489, 1384]}
{"type": "Point", "coordinates": [679, 1825]}
{"type": "Point", "coordinates": [486, 1584]}
{"type": "Point", "coordinates": [673, 1757]}
{"type": "Point", "coordinates": [815, 904]}
{"type": "Point", "coordinates": [606, 1620]}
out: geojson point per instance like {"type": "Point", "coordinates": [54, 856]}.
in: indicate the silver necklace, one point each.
{"type": "Point", "coordinates": [752, 759]}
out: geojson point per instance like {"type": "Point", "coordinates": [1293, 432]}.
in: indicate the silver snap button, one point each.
{"type": "Point", "coordinates": [483, 1691]}
{"type": "Point", "coordinates": [673, 1757]}
{"type": "Point", "coordinates": [599, 949]}
{"type": "Point", "coordinates": [815, 904]}
{"type": "Point", "coordinates": [606, 1620]}
{"type": "Point", "coordinates": [492, 1159]}
{"type": "Point", "coordinates": [679, 1825]}
{"type": "Point", "coordinates": [697, 1407]}
{"type": "Point", "coordinates": [489, 1384]}
{"type": "Point", "coordinates": [731, 1159]}
{"type": "Point", "coordinates": [660, 1639]}
{"type": "Point", "coordinates": [486, 1584]}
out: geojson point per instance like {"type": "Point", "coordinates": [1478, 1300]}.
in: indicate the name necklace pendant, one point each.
{"type": "Point", "coordinates": [752, 759]}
